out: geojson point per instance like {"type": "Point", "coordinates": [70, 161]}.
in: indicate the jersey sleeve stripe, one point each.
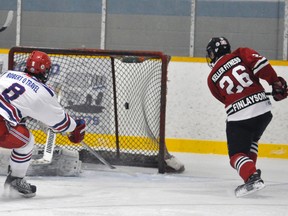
{"type": "Point", "coordinates": [12, 112]}
{"type": "Point", "coordinates": [260, 64]}
{"type": "Point", "coordinates": [63, 125]}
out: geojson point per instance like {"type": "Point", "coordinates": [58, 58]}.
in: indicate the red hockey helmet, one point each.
{"type": "Point", "coordinates": [39, 64]}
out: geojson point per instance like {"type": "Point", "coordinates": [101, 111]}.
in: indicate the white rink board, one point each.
{"type": "Point", "coordinates": [193, 113]}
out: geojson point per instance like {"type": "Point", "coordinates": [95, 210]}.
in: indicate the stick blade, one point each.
{"type": "Point", "coordinates": [98, 156]}
{"type": "Point", "coordinates": [40, 161]}
{"type": "Point", "coordinates": [9, 19]}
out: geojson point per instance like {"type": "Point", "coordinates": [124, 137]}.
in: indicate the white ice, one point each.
{"type": "Point", "coordinates": [206, 188]}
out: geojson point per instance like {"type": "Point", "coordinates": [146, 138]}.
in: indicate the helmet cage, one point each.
{"type": "Point", "coordinates": [210, 57]}
{"type": "Point", "coordinates": [43, 77]}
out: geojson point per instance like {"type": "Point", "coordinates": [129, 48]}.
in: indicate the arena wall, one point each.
{"type": "Point", "coordinates": [160, 25]}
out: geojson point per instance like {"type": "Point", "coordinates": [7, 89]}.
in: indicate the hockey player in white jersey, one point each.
{"type": "Point", "coordinates": [24, 94]}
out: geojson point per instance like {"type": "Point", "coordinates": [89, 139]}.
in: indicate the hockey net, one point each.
{"type": "Point", "coordinates": [120, 94]}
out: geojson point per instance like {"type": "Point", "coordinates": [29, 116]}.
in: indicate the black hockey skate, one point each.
{"type": "Point", "coordinates": [253, 184]}
{"type": "Point", "coordinates": [16, 184]}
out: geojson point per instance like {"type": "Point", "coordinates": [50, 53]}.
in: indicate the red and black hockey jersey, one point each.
{"type": "Point", "coordinates": [235, 81]}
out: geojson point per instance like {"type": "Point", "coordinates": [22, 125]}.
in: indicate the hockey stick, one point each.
{"type": "Point", "coordinates": [8, 21]}
{"type": "Point", "coordinates": [99, 157]}
{"type": "Point", "coordinates": [49, 145]}
{"type": "Point", "coordinates": [48, 150]}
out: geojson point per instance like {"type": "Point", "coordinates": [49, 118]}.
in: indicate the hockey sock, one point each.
{"type": "Point", "coordinates": [253, 154]}
{"type": "Point", "coordinates": [243, 164]}
{"type": "Point", "coordinates": [20, 159]}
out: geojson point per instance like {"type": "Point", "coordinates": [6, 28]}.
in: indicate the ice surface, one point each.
{"type": "Point", "coordinates": [206, 188]}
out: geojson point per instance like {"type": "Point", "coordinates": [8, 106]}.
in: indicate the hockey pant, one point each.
{"type": "Point", "coordinates": [21, 141]}
{"type": "Point", "coordinates": [243, 139]}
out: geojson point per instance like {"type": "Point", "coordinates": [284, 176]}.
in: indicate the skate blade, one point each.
{"type": "Point", "coordinates": [244, 192]}
{"type": "Point", "coordinates": [40, 161]}
{"type": "Point", "coordinates": [10, 193]}
{"type": "Point", "coordinates": [30, 195]}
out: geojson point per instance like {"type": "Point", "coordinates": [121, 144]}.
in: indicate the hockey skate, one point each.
{"type": "Point", "coordinates": [173, 165]}
{"type": "Point", "coordinates": [254, 183]}
{"type": "Point", "coordinates": [16, 184]}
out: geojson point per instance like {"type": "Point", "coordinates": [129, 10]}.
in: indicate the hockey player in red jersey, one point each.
{"type": "Point", "coordinates": [235, 82]}
{"type": "Point", "coordinates": [24, 94]}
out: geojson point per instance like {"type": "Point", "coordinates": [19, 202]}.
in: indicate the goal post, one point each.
{"type": "Point", "coordinates": [120, 94]}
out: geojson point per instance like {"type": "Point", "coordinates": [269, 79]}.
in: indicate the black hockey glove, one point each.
{"type": "Point", "coordinates": [279, 89]}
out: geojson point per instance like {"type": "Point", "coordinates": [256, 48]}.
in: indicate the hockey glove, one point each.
{"type": "Point", "coordinates": [78, 134]}
{"type": "Point", "coordinates": [279, 89]}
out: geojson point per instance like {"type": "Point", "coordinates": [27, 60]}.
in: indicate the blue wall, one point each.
{"type": "Point", "coordinates": [147, 24]}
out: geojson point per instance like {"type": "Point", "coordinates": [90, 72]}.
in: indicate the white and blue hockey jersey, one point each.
{"type": "Point", "coordinates": [24, 96]}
